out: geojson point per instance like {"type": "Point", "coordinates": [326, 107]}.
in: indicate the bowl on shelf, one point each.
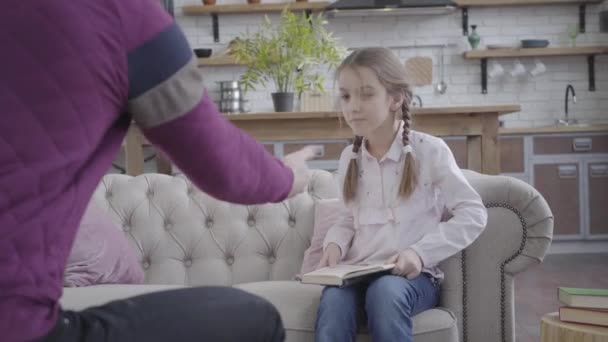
{"type": "Point", "coordinates": [534, 43]}
{"type": "Point", "coordinates": [202, 53]}
{"type": "Point", "coordinates": [502, 46]}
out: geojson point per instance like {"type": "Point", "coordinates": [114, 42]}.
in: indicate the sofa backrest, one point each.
{"type": "Point", "coordinates": [186, 237]}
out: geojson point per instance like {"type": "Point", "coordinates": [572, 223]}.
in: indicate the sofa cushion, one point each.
{"type": "Point", "coordinates": [298, 305]}
{"type": "Point", "coordinates": [101, 254]}
{"type": "Point", "coordinates": [80, 298]}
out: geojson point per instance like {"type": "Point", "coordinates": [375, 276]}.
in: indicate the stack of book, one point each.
{"type": "Point", "coordinates": [583, 306]}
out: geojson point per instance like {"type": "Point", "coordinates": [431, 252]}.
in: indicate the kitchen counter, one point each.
{"type": "Point", "coordinates": [452, 110]}
{"type": "Point", "coordinates": [479, 124]}
{"type": "Point", "coordinates": [554, 129]}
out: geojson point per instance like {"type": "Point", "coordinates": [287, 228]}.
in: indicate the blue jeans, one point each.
{"type": "Point", "coordinates": [388, 302]}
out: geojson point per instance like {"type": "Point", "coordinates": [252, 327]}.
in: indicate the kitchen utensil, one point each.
{"type": "Point", "coordinates": [538, 69]}
{"type": "Point", "coordinates": [496, 70]}
{"type": "Point", "coordinates": [234, 106]}
{"type": "Point", "coordinates": [232, 85]}
{"type": "Point", "coordinates": [441, 87]}
{"type": "Point", "coordinates": [419, 71]}
{"type": "Point", "coordinates": [232, 97]}
{"type": "Point", "coordinates": [231, 94]}
{"type": "Point", "coordinates": [202, 53]}
{"type": "Point", "coordinates": [518, 69]}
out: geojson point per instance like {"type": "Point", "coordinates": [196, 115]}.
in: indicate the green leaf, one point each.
{"type": "Point", "coordinates": [277, 51]}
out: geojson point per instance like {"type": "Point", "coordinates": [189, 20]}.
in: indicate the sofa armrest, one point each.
{"type": "Point", "coordinates": [532, 211]}
{"type": "Point", "coordinates": [479, 281]}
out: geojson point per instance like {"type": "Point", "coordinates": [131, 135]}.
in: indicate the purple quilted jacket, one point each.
{"type": "Point", "coordinates": [73, 75]}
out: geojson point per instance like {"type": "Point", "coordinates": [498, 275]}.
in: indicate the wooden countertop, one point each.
{"type": "Point", "coordinates": [501, 109]}
{"type": "Point", "coordinates": [554, 129]}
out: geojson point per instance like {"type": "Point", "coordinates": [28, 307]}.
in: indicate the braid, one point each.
{"type": "Point", "coordinates": [351, 179]}
{"type": "Point", "coordinates": [357, 143]}
{"type": "Point", "coordinates": [409, 179]}
{"type": "Point", "coordinates": [405, 137]}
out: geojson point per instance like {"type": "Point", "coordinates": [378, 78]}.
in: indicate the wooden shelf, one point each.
{"type": "Point", "coordinates": [253, 8]}
{"type": "Point", "coordinates": [218, 61]}
{"type": "Point", "coordinates": [589, 51]}
{"type": "Point", "coordinates": [465, 4]}
{"type": "Point", "coordinates": [501, 3]}
{"type": "Point", "coordinates": [544, 52]}
{"type": "Point", "coordinates": [215, 10]}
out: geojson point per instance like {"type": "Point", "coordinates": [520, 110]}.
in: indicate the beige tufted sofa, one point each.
{"type": "Point", "coordinates": [186, 238]}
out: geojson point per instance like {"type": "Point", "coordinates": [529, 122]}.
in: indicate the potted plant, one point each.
{"type": "Point", "coordinates": [285, 55]}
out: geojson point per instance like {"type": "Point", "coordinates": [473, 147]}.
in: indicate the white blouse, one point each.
{"type": "Point", "coordinates": [377, 223]}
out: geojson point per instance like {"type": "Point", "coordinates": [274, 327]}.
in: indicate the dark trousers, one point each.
{"type": "Point", "coordinates": [193, 314]}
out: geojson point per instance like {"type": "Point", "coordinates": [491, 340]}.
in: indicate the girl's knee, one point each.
{"type": "Point", "coordinates": [389, 293]}
{"type": "Point", "coordinates": [389, 285]}
{"type": "Point", "coordinates": [337, 296]}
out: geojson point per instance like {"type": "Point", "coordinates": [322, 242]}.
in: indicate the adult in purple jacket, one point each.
{"type": "Point", "coordinates": [73, 75]}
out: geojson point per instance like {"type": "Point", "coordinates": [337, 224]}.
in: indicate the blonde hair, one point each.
{"type": "Point", "coordinates": [391, 74]}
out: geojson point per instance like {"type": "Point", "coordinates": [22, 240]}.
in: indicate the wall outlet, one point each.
{"type": "Point", "coordinates": [319, 150]}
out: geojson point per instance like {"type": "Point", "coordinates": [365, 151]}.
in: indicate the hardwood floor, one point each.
{"type": "Point", "coordinates": [536, 288]}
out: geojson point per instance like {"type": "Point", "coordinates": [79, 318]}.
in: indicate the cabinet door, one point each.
{"type": "Point", "coordinates": [598, 198]}
{"type": "Point", "coordinates": [512, 155]}
{"type": "Point", "coordinates": [459, 149]}
{"type": "Point", "coordinates": [559, 185]}
{"type": "Point", "coordinates": [571, 144]}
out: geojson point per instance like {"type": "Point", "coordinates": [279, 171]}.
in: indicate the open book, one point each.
{"type": "Point", "coordinates": [343, 275]}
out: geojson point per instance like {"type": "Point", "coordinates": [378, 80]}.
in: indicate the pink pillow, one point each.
{"type": "Point", "coordinates": [101, 254]}
{"type": "Point", "coordinates": [327, 213]}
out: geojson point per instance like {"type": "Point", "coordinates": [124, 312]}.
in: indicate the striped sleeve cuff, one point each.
{"type": "Point", "coordinates": [164, 80]}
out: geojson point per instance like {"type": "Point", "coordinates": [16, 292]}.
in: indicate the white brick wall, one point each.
{"type": "Point", "coordinates": [542, 97]}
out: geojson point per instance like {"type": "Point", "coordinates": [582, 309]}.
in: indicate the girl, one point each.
{"type": "Point", "coordinates": [395, 185]}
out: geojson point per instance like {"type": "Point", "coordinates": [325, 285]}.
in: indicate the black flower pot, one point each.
{"type": "Point", "coordinates": [283, 102]}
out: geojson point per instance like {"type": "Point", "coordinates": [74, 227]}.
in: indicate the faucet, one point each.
{"type": "Point", "coordinates": [568, 121]}
{"type": "Point", "coordinates": [416, 97]}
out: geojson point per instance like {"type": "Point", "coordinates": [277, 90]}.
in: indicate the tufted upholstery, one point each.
{"type": "Point", "coordinates": [182, 234]}
{"type": "Point", "coordinates": [186, 238]}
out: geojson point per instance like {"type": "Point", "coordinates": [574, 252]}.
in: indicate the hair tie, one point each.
{"type": "Point", "coordinates": [407, 149]}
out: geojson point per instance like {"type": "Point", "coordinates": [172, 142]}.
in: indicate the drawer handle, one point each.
{"type": "Point", "coordinates": [582, 144]}
{"type": "Point", "coordinates": [567, 171]}
{"type": "Point", "coordinates": [599, 170]}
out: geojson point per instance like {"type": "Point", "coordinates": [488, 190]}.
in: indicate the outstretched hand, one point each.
{"type": "Point", "coordinates": [296, 161]}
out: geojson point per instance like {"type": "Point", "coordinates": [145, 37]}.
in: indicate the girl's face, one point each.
{"type": "Point", "coordinates": [365, 103]}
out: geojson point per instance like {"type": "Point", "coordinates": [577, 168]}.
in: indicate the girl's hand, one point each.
{"type": "Point", "coordinates": [407, 264]}
{"type": "Point", "coordinates": [331, 256]}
